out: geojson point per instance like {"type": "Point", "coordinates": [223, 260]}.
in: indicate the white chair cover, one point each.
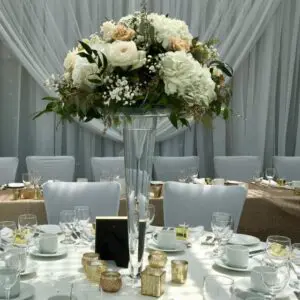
{"type": "Point", "coordinates": [287, 167]}
{"type": "Point", "coordinates": [103, 198]}
{"type": "Point", "coordinates": [195, 203]}
{"type": "Point", "coordinates": [107, 165]}
{"type": "Point", "coordinates": [237, 167]}
{"type": "Point", "coordinates": [167, 168]}
{"type": "Point", "coordinates": [52, 167]}
{"type": "Point", "coordinates": [8, 169]}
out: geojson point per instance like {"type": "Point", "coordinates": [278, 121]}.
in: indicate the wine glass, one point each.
{"type": "Point", "coordinates": [192, 174]}
{"type": "Point", "coordinates": [10, 272]}
{"type": "Point", "coordinates": [8, 230]}
{"type": "Point", "coordinates": [82, 219]}
{"type": "Point", "coordinates": [295, 264]}
{"type": "Point", "coordinates": [222, 227]}
{"type": "Point", "coordinates": [278, 248]}
{"type": "Point", "coordinates": [270, 174]}
{"type": "Point", "coordinates": [217, 287]}
{"type": "Point", "coordinates": [66, 222]}
{"type": "Point", "coordinates": [276, 279]}
{"type": "Point", "coordinates": [26, 178]}
{"type": "Point", "coordinates": [27, 224]}
{"type": "Point", "coordinates": [257, 178]}
{"type": "Point", "coordinates": [150, 215]}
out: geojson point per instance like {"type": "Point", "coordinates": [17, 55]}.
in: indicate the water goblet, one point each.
{"type": "Point", "coordinates": [66, 222]}
{"type": "Point", "coordinates": [150, 215]}
{"type": "Point", "coordinates": [270, 174]}
{"type": "Point", "coordinates": [217, 288]}
{"type": "Point", "coordinates": [27, 224]}
{"type": "Point", "coordinates": [82, 219]}
{"type": "Point", "coordinates": [222, 227]}
{"type": "Point", "coordinates": [278, 249]}
{"type": "Point", "coordinates": [295, 265]}
{"type": "Point", "coordinates": [8, 230]}
{"type": "Point", "coordinates": [26, 178]}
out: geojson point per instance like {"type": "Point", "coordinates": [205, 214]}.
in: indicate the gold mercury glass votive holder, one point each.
{"type": "Point", "coordinates": [179, 271]}
{"type": "Point", "coordinates": [153, 281]}
{"type": "Point", "coordinates": [157, 259]}
{"type": "Point", "coordinates": [95, 269]}
{"type": "Point", "coordinates": [111, 281]}
{"type": "Point", "coordinates": [87, 258]}
{"type": "Point", "coordinates": [156, 189]}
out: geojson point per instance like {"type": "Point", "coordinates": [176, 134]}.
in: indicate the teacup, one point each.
{"type": "Point", "coordinates": [218, 181]}
{"type": "Point", "coordinates": [259, 275]}
{"type": "Point", "coordinates": [48, 243]}
{"type": "Point", "coordinates": [15, 289]}
{"type": "Point", "coordinates": [22, 255]}
{"type": "Point", "coordinates": [166, 239]}
{"type": "Point", "coordinates": [237, 256]}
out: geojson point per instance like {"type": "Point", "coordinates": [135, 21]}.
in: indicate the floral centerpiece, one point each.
{"type": "Point", "coordinates": [146, 61]}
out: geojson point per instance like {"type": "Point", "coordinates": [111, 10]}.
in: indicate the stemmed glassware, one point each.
{"type": "Point", "coordinates": [27, 224]}
{"type": "Point", "coordinates": [82, 219]}
{"type": "Point", "coordinates": [66, 222]}
{"type": "Point", "coordinates": [222, 226]}
{"type": "Point", "coordinates": [270, 174]}
{"type": "Point", "coordinates": [295, 264]}
{"type": "Point", "coordinates": [150, 216]}
{"type": "Point", "coordinates": [278, 249]}
{"type": "Point", "coordinates": [8, 230]}
{"type": "Point", "coordinates": [218, 288]}
{"type": "Point", "coordinates": [10, 272]}
{"type": "Point", "coordinates": [26, 178]}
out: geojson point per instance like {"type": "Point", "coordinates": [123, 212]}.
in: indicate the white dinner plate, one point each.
{"type": "Point", "coordinates": [179, 247]}
{"type": "Point", "coordinates": [244, 239]}
{"type": "Point", "coordinates": [27, 291]}
{"type": "Point", "coordinates": [244, 285]}
{"type": "Point", "coordinates": [36, 252]}
{"type": "Point", "coordinates": [221, 262]}
{"type": "Point", "coordinates": [30, 269]}
{"type": "Point", "coordinates": [15, 185]}
{"type": "Point", "coordinates": [50, 228]}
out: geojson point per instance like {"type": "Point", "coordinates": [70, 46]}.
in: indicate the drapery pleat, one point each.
{"type": "Point", "coordinates": [260, 38]}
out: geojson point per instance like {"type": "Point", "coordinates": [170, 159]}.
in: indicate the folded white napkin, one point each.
{"type": "Point", "coordinates": [272, 182]}
{"type": "Point", "coordinates": [199, 180]}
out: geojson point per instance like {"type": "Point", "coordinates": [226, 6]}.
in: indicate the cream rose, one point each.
{"type": "Point", "coordinates": [122, 33]}
{"type": "Point", "coordinates": [107, 29]}
{"type": "Point", "coordinates": [123, 54]}
{"type": "Point", "coordinates": [178, 44]}
{"type": "Point", "coordinates": [70, 60]}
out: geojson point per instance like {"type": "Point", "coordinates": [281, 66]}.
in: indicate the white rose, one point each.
{"type": "Point", "coordinates": [140, 61]}
{"type": "Point", "coordinates": [70, 60]}
{"type": "Point", "coordinates": [83, 71]}
{"type": "Point", "coordinates": [123, 54]}
{"type": "Point", "coordinates": [107, 30]}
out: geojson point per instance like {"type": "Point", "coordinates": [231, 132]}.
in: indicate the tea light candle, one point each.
{"type": "Point", "coordinates": [157, 259]}
{"type": "Point", "coordinates": [87, 258]}
{"type": "Point", "coordinates": [95, 269]}
{"type": "Point", "coordinates": [179, 271]}
{"type": "Point", "coordinates": [111, 281]}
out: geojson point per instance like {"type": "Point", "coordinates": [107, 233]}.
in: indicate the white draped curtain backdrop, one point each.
{"type": "Point", "coordinates": [259, 38]}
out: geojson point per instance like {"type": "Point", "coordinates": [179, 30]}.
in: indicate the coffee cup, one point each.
{"type": "Point", "coordinates": [218, 181]}
{"type": "Point", "coordinates": [48, 243]}
{"type": "Point", "coordinates": [22, 258]}
{"type": "Point", "coordinates": [259, 275]}
{"type": "Point", "coordinates": [237, 256]}
{"type": "Point", "coordinates": [15, 289]}
{"type": "Point", "coordinates": [166, 239]}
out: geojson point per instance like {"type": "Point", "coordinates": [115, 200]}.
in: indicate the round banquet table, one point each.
{"type": "Point", "coordinates": [56, 274]}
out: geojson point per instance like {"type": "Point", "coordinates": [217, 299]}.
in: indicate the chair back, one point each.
{"type": "Point", "coordinates": [103, 198]}
{"type": "Point", "coordinates": [287, 167]}
{"type": "Point", "coordinates": [60, 168]}
{"type": "Point", "coordinates": [241, 168]}
{"type": "Point", "coordinates": [8, 169]}
{"type": "Point", "coordinates": [195, 203]}
{"type": "Point", "coordinates": [103, 166]}
{"type": "Point", "coordinates": [169, 168]}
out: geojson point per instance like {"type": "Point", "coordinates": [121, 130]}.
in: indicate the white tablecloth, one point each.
{"type": "Point", "coordinates": [55, 275]}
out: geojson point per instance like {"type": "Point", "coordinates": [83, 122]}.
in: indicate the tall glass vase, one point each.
{"type": "Point", "coordinates": [139, 142]}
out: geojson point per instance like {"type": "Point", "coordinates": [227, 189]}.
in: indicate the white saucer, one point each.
{"type": "Point", "coordinates": [222, 264]}
{"type": "Point", "coordinates": [244, 239]}
{"type": "Point", "coordinates": [244, 284]}
{"type": "Point", "coordinates": [50, 228]}
{"type": "Point", "coordinates": [60, 252]}
{"type": "Point", "coordinates": [27, 291]}
{"type": "Point", "coordinates": [29, 270]}
{"type": "Point", "coordinates": [179, 247]}
{"type": "Point", "coordinates": [15, 185]}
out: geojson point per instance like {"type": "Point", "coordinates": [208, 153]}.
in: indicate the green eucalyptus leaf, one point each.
{"type": "Point", "coordinates": [87, 56]}
{"type": "Point", "coordinates": [93, 80]}
{"type": "Point", "coordinates": [174, 120]}
{"type": "Point", "coordinates": [86, 47]}
{"type": "Point", "coordinates": [225, 113]}
{"type": "Point", "coordinates": [50, 98]}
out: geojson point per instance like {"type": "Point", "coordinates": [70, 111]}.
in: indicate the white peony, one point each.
{"type": "Point", "coordinates": [166, 28]}
{"type": "Point", "coordinates": [184, 76]}
{"type": "Point", "coordinates": [124, 54]}
{"type": "Point", "coordinates": [83, 71]}
{"type": "Point", "coordinates": [107, 30]}
{"type": "Point", "coordinates": [70, 60]}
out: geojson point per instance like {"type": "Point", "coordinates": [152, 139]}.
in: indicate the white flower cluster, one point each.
{"type": "Point", "coordinates": [51, 82]}
{"type": "Point", "coordinates": [184, 76]}
{"type": "Point", "coordinates": [210, 50]}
